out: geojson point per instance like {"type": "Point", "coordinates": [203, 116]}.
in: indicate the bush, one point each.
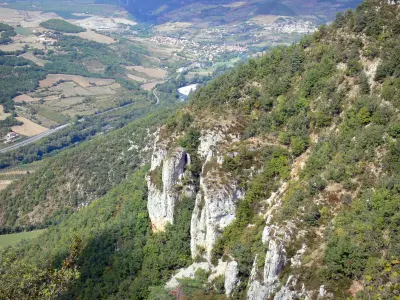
{"type": "Point", "coordinates": [297, 145]}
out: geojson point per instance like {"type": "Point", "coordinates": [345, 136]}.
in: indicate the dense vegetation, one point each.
{"type": "Point", "coordinates": [17, 75]}
{"type": "Point", "coordinates": [62, 26]}
{"type": "Point", "coordinates": [6, 33]}
{"type": "Point", "coordinates": [74, 51]}
{"type": "Point", "coordinates": [318, 102]}
{"type": "Point", "coordinates": [75, 177]}
{"type": "Point", "coordinates": [117, 221]}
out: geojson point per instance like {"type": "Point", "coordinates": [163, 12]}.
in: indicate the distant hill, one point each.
{"type": "Point", "coordinates": [155, 10]}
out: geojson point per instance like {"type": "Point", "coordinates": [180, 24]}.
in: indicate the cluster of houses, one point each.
{"type": "Point", "coordinates": [46, 37]}
{"type": "Point", "coordinates": [11, 137]}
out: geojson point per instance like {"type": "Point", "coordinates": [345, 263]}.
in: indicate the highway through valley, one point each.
{"type": "Point", "coordinates": [33, 139]}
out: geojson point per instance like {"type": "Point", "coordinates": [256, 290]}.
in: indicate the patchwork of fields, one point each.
{"type": "Point", "coordinates": [61, 96]}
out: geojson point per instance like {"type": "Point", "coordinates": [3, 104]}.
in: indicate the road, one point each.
{"type": "Point", "coordinates": [33, 139]}
{"type": "Point", "coordinates": [51, 131]}
{"type": "Point", "coordinates": [155, 95]}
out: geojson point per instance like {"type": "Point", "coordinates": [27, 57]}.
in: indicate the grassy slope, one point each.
{"type": "Point", "coordinates": [15, 238]}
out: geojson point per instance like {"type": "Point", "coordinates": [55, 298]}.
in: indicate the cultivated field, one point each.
{"type": "Point", "coordinates": [150, 72]}
{"type": "Point", "coordinates": [24, 18]}
{"type": "Point", "coordinates": [65, 96]}
{"type": "Point", "coordinates": [12, 47]}
{"type": "Point", "coordinates": [170, 27]}
{"type": "Point", "coordinates": [26, 98]}
{"type": "Point", "coordinates": [15, 238]}
{"type": "Point", "coordinates": [94, 66]}
{"type": "Point", "coordinates": [94, 36]}
{"type": "Point", "coordinates": [51, 79]}
{"type": "Point", "coordinates": [136, 78]}
{"type": "Point", "coordinates": [29, 128]}
{"type": "Point", "coordinates": [151, 85]}
{"type": "Point", "coordinates": [263, 19]}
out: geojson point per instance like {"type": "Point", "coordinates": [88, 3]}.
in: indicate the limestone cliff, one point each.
{"type": "Point", "coordinates": [167, 169]}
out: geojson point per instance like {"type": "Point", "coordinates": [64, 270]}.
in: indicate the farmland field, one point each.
{"type": "Point", "coordinates": [29, 128]}
{"type": "Point", "coordinates": [151, 85]}
{"type": "Point", "coordinates": [96, 37]}
{"type": "Point", "coordinates": [12, 47]}
{"type": "Point", "coordinates": [151, 72]}
{"type": "Point", "coordinates": [26, 98]}
{"type": "Point", "coordinates": [82, 81]}
{"type": "Point", "coordinates": [14, 238]}
{"type": "Point", "coordinates": [136, 78]}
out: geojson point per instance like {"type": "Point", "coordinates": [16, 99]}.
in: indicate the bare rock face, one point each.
{"type": "Point", "coordinates": [161, 201]}
{"type": "Point", "coordinates": [214, 210]}
{"type": "Point", "coordinates": [231, 277]}
{"type": "Point", "coordinates": [188, 272]}
{"type": "Point", "coordinates": [215, 206]}
{"type": "Point", "coordinates": [288, 291]}
{"type": "Point", "coordinates": [275, 260]}
{"type": "Point", "coordinates": [208, 142]}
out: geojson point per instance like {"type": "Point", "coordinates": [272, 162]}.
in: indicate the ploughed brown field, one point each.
{"type": "Point", "coordinates": [28, 128]}
{"type": "Point", "coordinates": [51, 79]}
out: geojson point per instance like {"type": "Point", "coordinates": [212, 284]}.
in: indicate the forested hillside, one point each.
{"type": "Point", "coordinates": [279, 180]}
{"type": "Point", "coordinates": [76, 177]}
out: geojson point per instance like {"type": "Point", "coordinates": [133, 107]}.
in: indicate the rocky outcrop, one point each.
{"type": "Point", "coordinates": [262, 287]}
{"type": "Point", "coordinates": [229, 270]}
{"type": "Point", "coordinates": [188, 272]}
{"type": "Point", "coordinates": [231, 277]}
{"type": "Point", "coordinates": [288, 291]}
{"type": "Point", "coordinates": [208, 142]}
{"type": "Point", "coordinates": [215, 206]}
{"type": "Point", "coordinates": [214, 210]}
{"type": "Point", "coordinates": [169, 168]}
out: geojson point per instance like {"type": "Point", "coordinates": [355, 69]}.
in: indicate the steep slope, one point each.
{"type": "Point", "coordinates": [295, 166]}
{"type": "Point", "coordinates": [280, 180]}
{"type": "Point", "coordinates": [74, 178]}
{"type": "Point", "coordinates": [161, 10]}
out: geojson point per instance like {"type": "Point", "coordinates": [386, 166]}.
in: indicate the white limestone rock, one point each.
{"type": "Point", "coordinates": [208, 142]}
{"type": "Point", "coordinates": [257, 290]}
{"type": "Point", "coordinates": [188, 272]}
{"type": "Point", "coordinates": [322, 292]}
{"type": "Point", "coordinates": [215, 209]}
{"type": "Point", "coordinates": [296, 259]}
{"type": "Point", "coordinates": [287, 292]}
{"type": "Point", "coordinates": [231, 277]}
{"type": "Point", "coordinates": [161, 203]}
{"type": "Point", "coordinates": [275, 260]}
